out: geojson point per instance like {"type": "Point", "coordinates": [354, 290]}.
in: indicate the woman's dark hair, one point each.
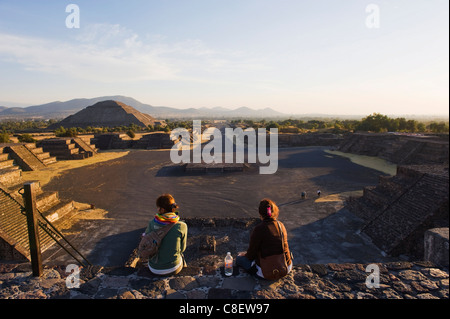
{"type": "Point", "coordinates": [267, 206]}
{"type": "Point", "coordinates": [167, 202]}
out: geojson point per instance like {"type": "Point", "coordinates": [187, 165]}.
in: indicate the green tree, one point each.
{"type": "Point", "coordinates": [375, 123]}
{"type": "Point", "coordinates": [438, 127]}
{"type": "Point", "coordinates": [4, 138]}
{"type": "Point", "coordinates": [272, 124]}
{"type": "Point", "coordinates": [131, 133]}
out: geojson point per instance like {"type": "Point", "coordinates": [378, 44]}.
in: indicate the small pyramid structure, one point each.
{"type": "Point", "coordinates": [106, 114]}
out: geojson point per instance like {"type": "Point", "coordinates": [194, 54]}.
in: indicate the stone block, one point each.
{"type": "Point", "coordinates": [436, 246]}
{"type": "Point", "coordinates": [207, 244]}
{"type": "Point", "coordinates": [219, 293]}
{"type": "Point", "coordinates": [183, 283]}
{"type": "Point", "coordinates": [239, 283]}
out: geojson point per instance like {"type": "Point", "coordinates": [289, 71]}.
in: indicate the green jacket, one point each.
{"type": "Point", "coordinates": [172, 246]}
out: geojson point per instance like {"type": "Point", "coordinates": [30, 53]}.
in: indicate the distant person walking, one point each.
{"type": "Point", "coordinates": [318, 193]}
{"type": "Point", "coordinates": [303, 195]}
{"type": "Point", "coordinates": [169, 260]}
{"type": "Point", "coordinates": [268, 240]}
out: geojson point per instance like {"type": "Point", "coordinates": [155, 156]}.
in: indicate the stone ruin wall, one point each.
{"type": "Point", "coordinates": [400, 209]}
{"type": "Point", "coordinates": [162, 140]}
{"type": "Point", "coordinates": [398, 149]}
{"type": "Point", "coordinates": [309, 139]}
{"type": "Point", "coordinates": [122, 141]}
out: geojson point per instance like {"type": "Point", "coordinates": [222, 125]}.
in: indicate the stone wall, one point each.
{"type": "Point", "coordinates": [398, 149]}
{"type": "Point", "coordinates": [397, 280]}
{"type": "Point", "coordinates": [309, 139]}
{"type": "Point", "coordinates": [122, 141]}
{"type": "Point", "coordinates": [436, 246]}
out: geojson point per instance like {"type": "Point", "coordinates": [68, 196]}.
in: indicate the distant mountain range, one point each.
{"type": "Point", "coordinates": [59, 110]}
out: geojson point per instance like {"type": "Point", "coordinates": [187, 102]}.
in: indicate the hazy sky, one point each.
{"type": "Point", "coordinates": [295, 56]}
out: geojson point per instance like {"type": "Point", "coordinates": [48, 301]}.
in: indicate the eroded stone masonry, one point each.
{"type": "Point", "coordinates": [398, 280]}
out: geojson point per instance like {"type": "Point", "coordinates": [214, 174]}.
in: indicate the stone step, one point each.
{"type": "Point", "coordinates": [42, 155]}
{"type": "Point", "coordinates": [49, 160]}
{"type": "Point", "coordinates": [10, 176]}
{"type": "Point", "coordinates": [4, 156]}
{"type": "Point", "coordinates": [30, 146]}
{"type": "Point", "coordinates": [59, 210]}
{"type": "Point", "coordinates": [46, 200]}
{"type": "Point", "coordinates": [6, 164]}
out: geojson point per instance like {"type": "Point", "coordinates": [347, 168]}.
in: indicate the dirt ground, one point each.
{"type": "Point", "coordinates": [124, 185]}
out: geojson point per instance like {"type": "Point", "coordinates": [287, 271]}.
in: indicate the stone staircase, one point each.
{"type": "Point", "coordinates": [39, 153]}
{"type": "Point", "coordinates": [85, 146]}
{"type": "Point", "coordinates": [9, 172]}
{"type": "Point", "coordinates": [13, 227]}
{"type": "Point", "coordinates": [27, 156]}
{"type": "Point", "coordinates": [68, 148]}
{"type": "Point", "coordinates": [14, 244]}
{"type": "Point", "coordinates": [400, 209]}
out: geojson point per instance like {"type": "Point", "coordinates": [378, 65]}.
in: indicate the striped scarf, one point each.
{"type": "Point", "coordinates": [166, 219]}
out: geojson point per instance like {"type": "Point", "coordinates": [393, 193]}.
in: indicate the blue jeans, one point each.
{"type": "Point", "coordinates": [245, 263]}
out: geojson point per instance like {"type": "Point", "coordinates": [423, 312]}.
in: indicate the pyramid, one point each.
{"type": "Point", "coordinates": [106, 114]}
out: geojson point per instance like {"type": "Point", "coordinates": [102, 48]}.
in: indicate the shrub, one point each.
{"type": "Point", "coordinates": [26, 138]}
{"type": "Point", "coordinates": [62, 132]}
{"type": "Point", "coordinates": [131, 133]}
{"type": "Point", "coordinates": [4, 138]}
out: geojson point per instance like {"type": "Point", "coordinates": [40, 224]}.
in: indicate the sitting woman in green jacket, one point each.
{"type": "Point", "coordinates": [169, 260]}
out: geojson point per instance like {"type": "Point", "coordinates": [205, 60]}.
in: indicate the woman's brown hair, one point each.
{"type": "Point", "coordinates": [167, 202]}
{"type": "Point", "coordinates": [264, 206]}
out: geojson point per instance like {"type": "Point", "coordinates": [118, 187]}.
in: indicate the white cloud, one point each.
{"type": "Point", "coordinates": [93, 58]}
{"type": "Point", "coordinates": [111, 53]}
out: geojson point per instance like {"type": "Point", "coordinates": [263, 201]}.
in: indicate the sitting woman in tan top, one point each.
{"type": "Point", "coordinates": [265, 240]}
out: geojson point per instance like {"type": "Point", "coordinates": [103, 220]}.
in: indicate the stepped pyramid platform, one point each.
{"type": "Point", "coordinates": [13, 226]}
{"type": "Point", "coordinates": [154, 141]}
{"type": "Point", "coordinates": [68, 148]}
{"type": "Point", "coordinates": [26, 155]}
{"type": "Point", "coordinates": [121, 141]}
{"type": "Point", "coordinates": [399, 210]}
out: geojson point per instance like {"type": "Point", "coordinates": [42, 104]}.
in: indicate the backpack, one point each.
{"type": "Point", "coordinates": [149, 245]}
{"type": "Point", "coordinates": [275, 267]}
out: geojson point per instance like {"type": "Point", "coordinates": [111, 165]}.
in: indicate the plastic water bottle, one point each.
{"type": "Point", "coordinates": [228, 264]}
